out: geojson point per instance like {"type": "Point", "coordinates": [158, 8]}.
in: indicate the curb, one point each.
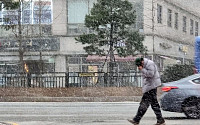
{"type": "Point", "coordinates": [4, 123]}
{"type": "Point", "coordinates": [71, 99]}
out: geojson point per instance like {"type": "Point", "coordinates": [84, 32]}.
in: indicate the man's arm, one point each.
{"type": "Point", "coordinates": [149, 72]}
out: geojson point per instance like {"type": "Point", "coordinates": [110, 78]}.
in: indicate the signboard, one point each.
{"type": "Point", "coordinates": [86, 74]}
{"type": "Point", "coordinates": [36, 44]}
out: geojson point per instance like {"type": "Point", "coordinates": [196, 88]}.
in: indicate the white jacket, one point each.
{"type": "Point", "coordinates": [150, 75]}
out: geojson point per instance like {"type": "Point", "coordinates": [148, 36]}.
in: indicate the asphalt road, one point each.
{"type": "Point", "coordinates": [81, 113]}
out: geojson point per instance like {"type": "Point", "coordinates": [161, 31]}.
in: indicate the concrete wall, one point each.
{"type": "Point", "coordinates": [59, 26]}
{"type": "Point", "coordinates": [60, 63]}
{"type": "Point", "coordinates": [68, 45]}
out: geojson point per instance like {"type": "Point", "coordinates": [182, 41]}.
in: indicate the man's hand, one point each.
{"type": "Point", "coordinates": [140, 67]}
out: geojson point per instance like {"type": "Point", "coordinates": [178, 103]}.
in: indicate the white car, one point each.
{"type": "Point", "coordinates": [182, 96]}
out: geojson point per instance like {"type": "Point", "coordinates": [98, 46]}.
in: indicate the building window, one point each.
{"type": "Point", "coordinates": [138, 7]}
{"type": "Point", "coordinates": [42, 12]}
{"type": "Point", "coordinates": [169, 18]}
{"type": "Point", "coordinates": [176, 21]}
{"type": "Point", "coordinates": [1, 6]}
{"type": "Point", "coordinates": [10, 17]}
{"type": "Point", "coordinates": [159, 13]}
{"type": "Point", "coordinates": [77, 9]}
{"type": "Point", "coordinates": [1, 13]}
{"type": "Point", "coordinates": [26, 18]}
{"type": "Point", "coordinates": [184, 23]}
{"type": "Point", "coordinates": [33, 12]}
{"type": "Point", "coordinates": [196, 28]}
{"type": "Point", "coordinates": [191, 27]}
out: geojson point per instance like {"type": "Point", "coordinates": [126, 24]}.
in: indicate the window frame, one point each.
{"type": "Point", "coordinates": [159, 13]}
{"type": "Point", "coordinates": [191, 27]}
{"type": "Point", "coordinates": [184, 24]}
{"type": "Point", "coordinates": [196, 28]}
{"type": "Point", "coordinates": [169, 17]}
{"type": "Point", "coordinates": [176, 21]}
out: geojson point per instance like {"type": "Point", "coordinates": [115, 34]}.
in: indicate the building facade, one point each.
{"type": "Point", "coordinates": [171, 33]}
{"type": "Point", "coordinates": [169, 26]}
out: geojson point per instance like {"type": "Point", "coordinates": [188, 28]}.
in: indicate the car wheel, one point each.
{"type": "Point", "coordinates": [191, 108]}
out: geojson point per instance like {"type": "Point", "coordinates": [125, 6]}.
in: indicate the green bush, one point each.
{"type": "Point", "coordinates": [176, 72]}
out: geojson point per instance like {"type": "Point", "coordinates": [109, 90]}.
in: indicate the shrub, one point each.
{"type": "Point", "coordinates": [176, 72]}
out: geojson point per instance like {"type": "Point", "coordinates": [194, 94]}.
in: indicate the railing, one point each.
{"type": "Point", "coordinates": [71, 79]}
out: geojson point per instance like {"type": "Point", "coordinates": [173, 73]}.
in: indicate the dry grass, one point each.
{"type": "Point", "coordinates": [72, 92]}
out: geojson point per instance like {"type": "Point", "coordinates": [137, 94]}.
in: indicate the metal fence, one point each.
{"type": "Point", "coordinates": [71, 79]}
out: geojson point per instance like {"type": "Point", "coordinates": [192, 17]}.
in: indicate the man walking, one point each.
{"type": "Point", "coordinates": [151, 80]}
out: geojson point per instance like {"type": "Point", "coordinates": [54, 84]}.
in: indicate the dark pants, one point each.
{"type": "Point", "coordinates": [149, 98]}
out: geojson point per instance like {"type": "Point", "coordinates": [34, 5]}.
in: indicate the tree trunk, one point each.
{"type": "Point", "coordinates": [21, 49]}
{"type": "Point", "coordinates": [112, 58]}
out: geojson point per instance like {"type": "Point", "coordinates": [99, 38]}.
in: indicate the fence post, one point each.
{"type": "Point", "coordinates": [106, 79]}
{"type": "Point", "coordinates": [67, 79]}
{"type": "Point", "coordinates": [29, 79]}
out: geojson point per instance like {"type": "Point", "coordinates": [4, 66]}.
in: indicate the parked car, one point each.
{"type": "Point", "coordinates": [182, 96]}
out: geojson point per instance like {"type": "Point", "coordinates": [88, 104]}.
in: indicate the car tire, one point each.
{"type": "Point", "coordinates": [191, 108]}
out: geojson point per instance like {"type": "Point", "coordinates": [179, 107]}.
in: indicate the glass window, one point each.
{"type": "Point", "coordinates": [10, 17]}
{"type": "Point", "coordinates": [77, 10]}
{"type": "Point", "coordinates": [33, 12]}
{"type": "Point", "coordinates": [196, 81]}
{"type": "Point", "coordinates": [191, 27]}
{"type": "Point", "coordinates": [26, 18]}
{"type": "Point", "coordinates": [176, 21]}
{"type": "Point", "coordinates": [184, 23]}
{"type": "Point", "coordinates": [74, 60]}
{"type": "Point", "coordinates": [159, 13]}
{"type": "Point", "coordinates": [196, 28]}
{"type": "Point", "coordinates": [42, 12]}
{"type": "Point", "coordinates": [169, 18]}
{"type": "Point", "coordinates": [1, 13]}
{"type": "Point", "coordinates": [1, 5]}
{"type": "Point", "coordinates": [138, 7]}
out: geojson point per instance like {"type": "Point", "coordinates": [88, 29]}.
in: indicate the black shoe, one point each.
{"type": "Point", "coordinates": [160, 122]}
{"type": "Point", "coordinates": [133, 122]}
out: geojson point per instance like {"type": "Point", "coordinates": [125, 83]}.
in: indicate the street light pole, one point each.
{"type": "Point", "coordinates": [153, 30]}
{"type": "Point", "coordinates": [40, 34]}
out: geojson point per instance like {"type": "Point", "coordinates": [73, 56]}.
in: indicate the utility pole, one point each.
{"type": "Point", "coordinates": [19, 36]}
{"type": "Point", "coordinates": [40, 34]}
{"type": "Point", "coordinates": [153, 29]}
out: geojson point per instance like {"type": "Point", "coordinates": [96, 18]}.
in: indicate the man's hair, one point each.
{"type": "Point", "coordinates": [138, 61]}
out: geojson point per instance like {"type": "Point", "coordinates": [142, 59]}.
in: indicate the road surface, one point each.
{"type": "Point", "coordinates": [81, 113]}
